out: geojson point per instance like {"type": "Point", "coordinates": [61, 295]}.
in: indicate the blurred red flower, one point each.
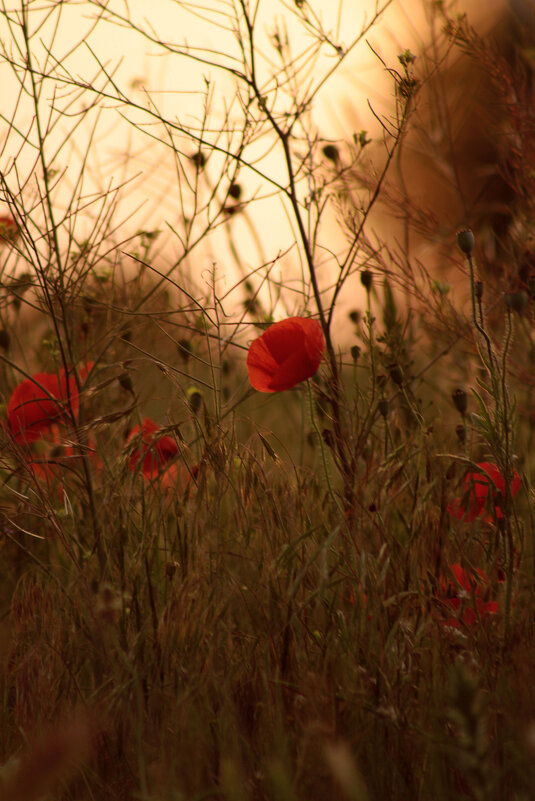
{"type": "Point", "coordinates": [287, 353]}
{"type": "Point", "coordinates": [9, 229]}
{"type": "Point", "coordinates": [38, 402]}
{"type": "Point", "coordinates": [462, 591]}
{"type": "Point", "coordinates": [477, 486]}
{"type": "Point", "coordinates": [155, 450]}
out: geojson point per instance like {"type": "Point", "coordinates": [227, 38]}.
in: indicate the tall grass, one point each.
{"type": "Point", "coordinates": [322, 593]}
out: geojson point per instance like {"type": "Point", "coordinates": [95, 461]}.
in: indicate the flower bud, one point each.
{"type": "Point", "coordinates": [235, 191]}
{"type": "Point", "coordinates": [366, 279]}
{"type": "Point", "coordinates": [195, 399]}
{"type": "Point", "coordinates": [460, 400]}
{"type": "Point", "coordinates": [396, 374]}
{"type": "Point", "coordinates": [126, 382]}
{"type": "Point", "coordinates": [328, 437]}
{"type": "Point", "coordinates": [517, 301]}
{"type": "Point", "coordinates": [331, 152]}
{"type": "Point", "coordinates": [466, 241]}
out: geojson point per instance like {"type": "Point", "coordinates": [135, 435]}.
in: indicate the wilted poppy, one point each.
{"type": "Point", "coordinates": [287, 353]}
{"type": "Point", "coordinates": [155, 450]}
{"type": "Point", "coordinates": [462, 592]}
{"type": "Point", "coordinates": [477, 486]}
{"type": "Point", "coordinates": [38, 402]}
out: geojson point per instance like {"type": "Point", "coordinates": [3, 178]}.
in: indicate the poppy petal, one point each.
{"type": "Point", "coordinates": [287, 353]}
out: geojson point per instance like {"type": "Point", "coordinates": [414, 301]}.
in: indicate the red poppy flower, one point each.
{"type": "Point", "coordinates": [9, 229]}
{"type": "Point", "coordinates": [287, 353]}
{"type": "Point", "coordinates": [462, 592]}
{"type": "Point", "coordinates": [38, 402]}
{"type": "Point", "coordinates": [477, 486]}
{"type": "Point", "coordinates": [156, 451]}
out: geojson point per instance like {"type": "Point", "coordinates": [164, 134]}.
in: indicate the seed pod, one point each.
{"type": "Point", "coordinates": [235, 191]}
{"type": "Point", "coordinates": [355, 352]}
{"type": "Point", "coordinates": [184, 348]}
{"type": "Point", "coordinates": [126, 382]}
{"type": "Point", "coordinates": [328, 437]}
{"type": "Point", "coordinates": [396, 373]}
{"type": "Point", "coordinates": [466, 241]}
{"type": "Point", "coordinates": [460, 400]}
{"type": "Point", "coordinates": [195, 399]}
{"type": "Point", "coordinates": [517, 301]}
{"type": "Point", "coordinates": [199, 159]}
{"type": "Point", "coordinates": [366, 279]}
{"type": "Point", "coordinates": [331, 152]}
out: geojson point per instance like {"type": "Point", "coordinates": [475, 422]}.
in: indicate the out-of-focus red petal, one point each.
{"type": "Point", "coordinates": [157, 451]}
{"type": "Point", "coordinates": [477, 486]}
{"type": "Point", "coordinates": [38, 402]}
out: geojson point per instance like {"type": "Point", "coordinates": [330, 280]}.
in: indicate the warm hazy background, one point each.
{"type": "Point", "coordinates": [117, 154]}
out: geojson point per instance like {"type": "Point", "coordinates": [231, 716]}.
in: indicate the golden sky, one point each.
{"type": "Point", "coordinates": [131, 57]}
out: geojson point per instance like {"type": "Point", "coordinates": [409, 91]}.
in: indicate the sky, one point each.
{"type": "Point", "coordinates": [109, 156]}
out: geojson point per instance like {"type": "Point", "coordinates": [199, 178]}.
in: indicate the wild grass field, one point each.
{"type": "Point", "coordinates": [267, 538]}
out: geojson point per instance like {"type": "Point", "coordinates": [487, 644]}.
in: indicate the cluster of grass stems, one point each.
{"type": "Point", "coordinates": [272, 626]}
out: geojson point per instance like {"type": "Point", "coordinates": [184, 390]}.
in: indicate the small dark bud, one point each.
{"type": "Point", "coordinates": [331, 152]}
{"type": "Point", "coordinates": [366, 279]}
{"type": "Point", "coordinates": [194, 399]}
{"type": "Point", "coordinates": [383, 407]}
{"type": "Point", "coordinates": [355, 352]}
{"type": "Point", "coordinates": [460, 401]}
{"type": "Point", "coordinates": [251, 305]}
{"type": "Point", "coordinates": [372, 507]}
{"type": "Point", "coordinates": [461, 433]}
{"type": "Point", "coordinates": [235, 191]}
{"type": "Point", "coordinates": [199, 159]}
{"type": "Point", "coordinates": [354, 316]}
{"type": "Point", "coordinates": [328, 438]}
{"type": "Point", "coordinates": [396, 374]}
{"type": "Point", "coordinates": [126, 333]}
{"type": "Point", "coordinates": [5, 339]}
{"type": "Point", "coordinates": [478, 290]}
{"type": "Point", "coordinates": [466, 241]}
{"type": "Point", "coordinates": [184, 348]}
{"type": "Point", "coordinates": [517, 301]}
{"type": "Point", "coordinates": [126, 382]}
{"type": "Point", "coordinates": [381, 380]}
